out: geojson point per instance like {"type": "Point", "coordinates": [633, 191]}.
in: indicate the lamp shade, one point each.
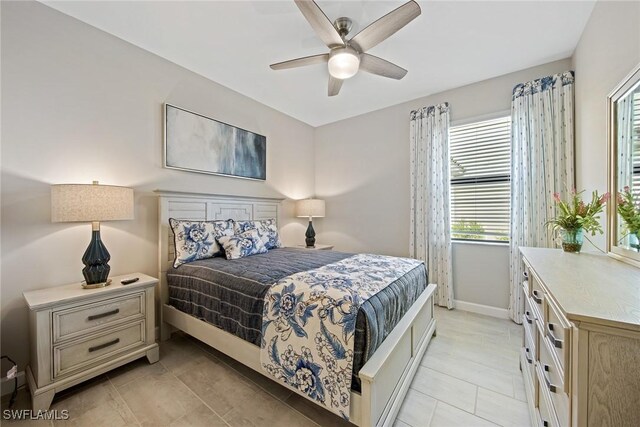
{"type": "Point", "coordinates": [310, 208]}
{"type": "Point", "coordinates": [90, 203]}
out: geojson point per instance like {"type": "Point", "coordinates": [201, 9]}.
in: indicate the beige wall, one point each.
{"type": "Point", "coordinates": [362, 172]}
{"type": "Point", "coordinates": [81, 105]}
{"type": "Point", "coordinates": [607, 52]}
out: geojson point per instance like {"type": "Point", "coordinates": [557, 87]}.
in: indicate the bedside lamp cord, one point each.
{"type": "Point", "coordinates": [15, 381]}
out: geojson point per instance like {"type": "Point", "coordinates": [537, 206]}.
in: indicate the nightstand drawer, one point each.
{"type": "Point", "coordinates": [74, 356]}
{"type": "Point", "coordinates": [87, 318]}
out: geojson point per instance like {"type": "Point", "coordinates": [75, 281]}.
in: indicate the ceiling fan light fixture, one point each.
{"type": "Point", "coordinates": [344, 62]}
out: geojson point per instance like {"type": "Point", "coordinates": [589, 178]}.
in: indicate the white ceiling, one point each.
{"type": "Point", "coordinates": [453, 43]}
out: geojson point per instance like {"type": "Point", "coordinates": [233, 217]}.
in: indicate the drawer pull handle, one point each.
{"type": "Point", "coordinates": [527, 318]}
{"type": "Point", "coordinates": [525, 274]}
{"type": "Point", "coordinates": [555, 341]}
{"type": "Point", "coordinates": [105, 314]}
{"type": "Point", "coordinates": [551, 387]}
{"type": "Point", "coordinates": [530, 361]}
{"type": "Point", "coordinates": [545, 423]}
{"type": "Point", "coordinates": [536, 298]}
{"type": "Point", "coordinates": [105, 345]}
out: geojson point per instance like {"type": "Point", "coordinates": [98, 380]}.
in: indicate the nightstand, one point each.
{"type": "Point", "coordinates": [317, 247]}
{"type": "Point", "coordinates": [77, 334]}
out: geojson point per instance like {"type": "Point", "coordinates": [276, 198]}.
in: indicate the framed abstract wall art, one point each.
{"type": "Point", "coordinates": [197, 143]}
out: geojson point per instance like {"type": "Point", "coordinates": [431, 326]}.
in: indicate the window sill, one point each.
{"type": "Point", "coordinates": [479, 243]}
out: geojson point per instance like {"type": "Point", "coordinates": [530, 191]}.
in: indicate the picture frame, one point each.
{"type": "Point", "coordinates": [194, 142]}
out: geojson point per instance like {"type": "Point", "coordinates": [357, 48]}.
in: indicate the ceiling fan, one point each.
{"type": "Point", "coordinates": [346, 57]}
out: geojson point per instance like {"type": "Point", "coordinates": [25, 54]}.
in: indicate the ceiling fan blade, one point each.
{"type": "Point", "coordinates": [374, 65]}
{"type": "Point", "coordinates": [300, 62]}
{"type": "Point", "coordinates": [385, 26]}
{"type": "Point", "coordinates": [320, 23]}
{"type": "Point", "coordinates": [334, 86]}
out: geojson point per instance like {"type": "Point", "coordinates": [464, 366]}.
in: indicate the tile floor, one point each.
{"type": "Point", "coordinates": [468, 377]}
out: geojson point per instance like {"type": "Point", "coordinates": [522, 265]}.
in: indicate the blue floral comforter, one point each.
{"type": "Point", "coordinates": [309, 322]}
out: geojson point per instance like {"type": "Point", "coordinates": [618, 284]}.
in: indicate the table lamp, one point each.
{"type": "Point", "coordinates": [312, 208]}
{"type": "Point", "coordinates": [92, 203]}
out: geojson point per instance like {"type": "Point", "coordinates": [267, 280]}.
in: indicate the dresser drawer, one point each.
{"type": "Point", "coordinates": [76, 355]}
{"type": "Point", "coordinates": [529, 319]}
{"type": "Point", "coordinates": [557, 331]}
{"type": "Point", "coordinates": [83, 319]}
{"type": "Point", "coordinates": [525, 284]}
{"type": "Point", "coordinates": [537, 297]}
{"type": "Point", "coordinates": [529, 354]}
{"type": "Point", "coordinates": [552, 380]}
{"type": "Point", "coordinates": [545, 406]}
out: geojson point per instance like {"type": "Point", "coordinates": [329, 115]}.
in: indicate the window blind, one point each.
{"type": "Point", "coordinates": [480, 180]}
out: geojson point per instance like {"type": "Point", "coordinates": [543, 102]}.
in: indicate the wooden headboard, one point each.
{"type": "Point", "coordinates": [203, 207]}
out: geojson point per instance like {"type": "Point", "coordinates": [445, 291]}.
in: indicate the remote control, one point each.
{"type": "Point", "coordinates": [129, 281]}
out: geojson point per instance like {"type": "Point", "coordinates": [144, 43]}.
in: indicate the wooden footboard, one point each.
{"type": "Point", "coordinates": [386, 377]}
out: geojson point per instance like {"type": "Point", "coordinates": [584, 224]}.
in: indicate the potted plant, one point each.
{"type": "Point", "coordinates": [575, 217]}
{"type": "Point", "coordinates": [629, 211]}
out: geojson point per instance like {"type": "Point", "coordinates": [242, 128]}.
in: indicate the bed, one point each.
{"type": "Point", "coordinates": [387, 352]}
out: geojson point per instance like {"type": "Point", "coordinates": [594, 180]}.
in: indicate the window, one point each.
{"type": "Point", "coordinates": [480, 180]}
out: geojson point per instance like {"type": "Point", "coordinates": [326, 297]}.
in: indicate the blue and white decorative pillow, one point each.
{"type": "Point", "coordinates": [267, 230]}
{"type": "Point", "coordinates": [196, 240]}
{"type": "Point", "coordinates": [244, 225]}
{"type": "Point", "coordinates": [242, 245]}
{"type": "Point", "coordinates": [270, 230]}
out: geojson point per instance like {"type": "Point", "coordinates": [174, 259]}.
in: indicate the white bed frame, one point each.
{"type": "Point", "coordinates": [385, 377]}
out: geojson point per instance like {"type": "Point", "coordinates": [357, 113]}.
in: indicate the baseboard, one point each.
{"type": "Point", "coordinates": [7, 384]}
{"type": "Point", "coordinates": [487, 310]}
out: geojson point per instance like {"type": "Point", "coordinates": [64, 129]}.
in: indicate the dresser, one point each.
{"type": "Point", "coordinates": [580, 357]}
{"type": "Point", "coordinates": [77, 334]}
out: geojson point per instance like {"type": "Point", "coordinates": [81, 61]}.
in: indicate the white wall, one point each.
{"type": "Point", "coordinates": [607, 52]}
{"type": "Point", "coordinates": [81, 105]}
{"type": "Point", "coordinates": [362, 170]}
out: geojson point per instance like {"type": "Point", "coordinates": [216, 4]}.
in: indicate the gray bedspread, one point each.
{"type": "Point", "coordinates": [230, 295]}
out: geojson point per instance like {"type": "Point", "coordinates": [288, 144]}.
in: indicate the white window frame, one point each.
{"type": "Point", "coordinates": [467, 121]}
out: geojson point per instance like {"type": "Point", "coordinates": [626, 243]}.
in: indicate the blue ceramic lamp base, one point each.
{"type": "Point", "coordinates": [96, 260]}
{"type": "Point", "coordinates": [310, 236]}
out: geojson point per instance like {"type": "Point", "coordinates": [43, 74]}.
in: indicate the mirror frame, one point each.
{"type": "Point", "coordinates": [614, 251]}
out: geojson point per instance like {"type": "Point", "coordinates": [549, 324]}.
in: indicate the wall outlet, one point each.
{"type": "Point", "coordinates": [7, 383]}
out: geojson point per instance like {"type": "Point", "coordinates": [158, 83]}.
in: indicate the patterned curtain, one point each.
{"type": "Point", "coordinates": [542, 163]}
{"type": "Point", "coordinates": [624, 128]}
{"type": "Point", "coordinates": [430, 219]}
